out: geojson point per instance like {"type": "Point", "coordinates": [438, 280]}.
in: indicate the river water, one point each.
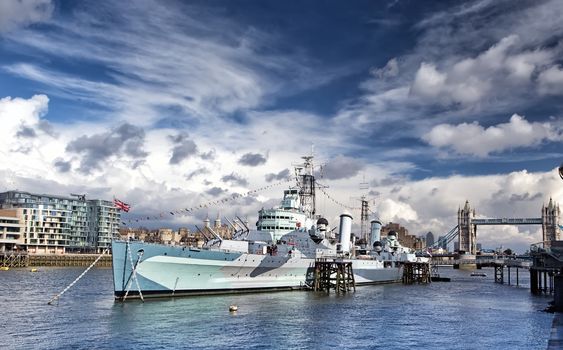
{"type": "Point", "coordinates": [467, 313]}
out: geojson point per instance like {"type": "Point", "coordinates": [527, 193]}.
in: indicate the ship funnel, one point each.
{"type": "Point", "coordinates": [345, 232]}
{"type": "Point", "coordinates": [375, 232]}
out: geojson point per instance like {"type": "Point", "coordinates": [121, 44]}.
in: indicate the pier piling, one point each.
{"type": "Point", "coordinates": [416, 272]}
{"type": "Point", "coordinates": [334, 274]}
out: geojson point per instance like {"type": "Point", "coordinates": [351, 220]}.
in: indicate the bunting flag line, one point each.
{"type": "Point", "coordinates": [210, 204]}
{"type": "Point", "coordinates": [335, 201]}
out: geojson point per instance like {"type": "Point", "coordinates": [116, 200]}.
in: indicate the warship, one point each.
{"type": "Point", "coordinates": [279, 255]}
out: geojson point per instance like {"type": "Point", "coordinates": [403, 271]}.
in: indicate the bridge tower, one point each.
{"type": "Point", "coordinates": [467, 230]}
{"type": "Point", "coordinates": [550, 222]}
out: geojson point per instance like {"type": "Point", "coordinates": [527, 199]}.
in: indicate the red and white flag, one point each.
{"type": "Point", "coordinates": [121, 205]}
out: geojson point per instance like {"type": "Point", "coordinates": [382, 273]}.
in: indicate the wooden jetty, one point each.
{"type": "Point", "coordinates": [14, 260]}
{"type": "Point", "coordinates": [416, 272]}
{"type": "Point", "coordinates": [334, 274]}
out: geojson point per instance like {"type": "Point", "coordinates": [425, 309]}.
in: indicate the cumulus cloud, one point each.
{"type": "Point", "coordinates": [518, 194]}
{"type": "Point", "coordinates": [16, 112]}
{"type": "Point", "coordinates": [22, 118]}
{"type": "Point", "coordinates": [210, 155]}
{"type": "Point", "coordinates": [516, 238]}
{"type": "Point", "coordinates": [216, 191]}
{"type": "Point", "coordinates": [197, 172]}
{"type": "Point", "coordinates": [525, 197]}
{"type": "Point", "coordinates": [473, 139]}
{"type": "Point", "coordinates": [461, 66]}
{"type": "Point", "coordinates": [252, 159]}
{"type": "Point", "coordinates": [235, 180]}
{"type": "Point", "coordinates": [396, 211]}
{"type": "Point", "coordinates": [342, 167]}
{"type": "Point", "coordinates": [125, 140]}
{"type": "Point", "coordinates": [390, 70]}
{"type": "Point", "coordinates": [62, 166]}
{"type": "Point", "coordinates": [47, 128]}
{"type": "Point", "coordinates": [20, 13]}
{"type": "Point", "coordinates": [25, 131]}
{"type": "Point", "coordinates": [428, 82]}
{"type": "Point", "coordinates": [184, 148]}
{"type": "Point", "coordinates": [471, 80]}
{"type": "Point", "coordinates": [284, 174]}
{"type": "Point", "coordinates": [551, 81]}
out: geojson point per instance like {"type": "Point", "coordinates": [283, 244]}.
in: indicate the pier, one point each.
{"type": "Point", "coordinates": [416, 272]}
{"type": "Point", "coordinates": [15, 260]}
{"type": "Point", "coordinates": [546, 273]}
{"type": "Point", "coordinates": [334, 274]}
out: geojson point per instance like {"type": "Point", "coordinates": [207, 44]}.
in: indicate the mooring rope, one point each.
{"type": "Point", "coordinates": [56, 297]}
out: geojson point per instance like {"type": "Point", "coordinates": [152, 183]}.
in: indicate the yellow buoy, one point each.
{"type": "Point", "coordinates": [4, 268]}
{"type": "Point", "coordinates": [233, 308]}
{"type": "Point", "coordinates": [33, 270]}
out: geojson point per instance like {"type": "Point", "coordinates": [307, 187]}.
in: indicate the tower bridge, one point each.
{"type": "Point", "coordinates": [467, 225]}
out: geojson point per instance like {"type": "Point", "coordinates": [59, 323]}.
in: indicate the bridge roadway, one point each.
{"type": "Point", "coordinates": [509, 262]}
{"type": "Point", "coordinates": [507, 221]}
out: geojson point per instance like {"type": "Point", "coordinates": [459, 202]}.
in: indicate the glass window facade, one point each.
{"type": "Point", "coordinates": [54, 224]}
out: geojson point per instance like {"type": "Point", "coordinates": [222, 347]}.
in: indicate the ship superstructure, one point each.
{"type": "Point", "coordinates": [297, 208]}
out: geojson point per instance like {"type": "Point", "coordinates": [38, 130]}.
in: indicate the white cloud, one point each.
{"type": "Point", "coordinates": [17, 115]}
{"type": "Point", "coordinates": [551, 81]}
{"type": "Point", "coordinates": [395, 211]}
{"type": "Point", "coordinates": [342, 167]}
{"type": "Point", "coordinates": [390, 70]}
{"type": "Point", "coordinates": [181, 58]}
{"type": "Point", "coordinates": [473, 139]}
{"type": "Point", "coordinates": [157, 187]}
{"type": "Point", "coordinates": [461, 67]}
{"type": "Point", "coordinates": [20, 13]}
{"type": "Point", "coordinates": [435, 201]}
{"type": "Point", "coordinates": [472, 80]}
{"type": "Point", "coordinates": [428, 82]}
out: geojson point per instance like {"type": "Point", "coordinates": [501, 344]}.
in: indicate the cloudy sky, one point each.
{"type": "Point", "coordinates": [172, 104]}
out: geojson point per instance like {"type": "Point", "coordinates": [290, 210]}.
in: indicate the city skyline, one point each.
{"type": "Point", "coordinates": [170, 105]}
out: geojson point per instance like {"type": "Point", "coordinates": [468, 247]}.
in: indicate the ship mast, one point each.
{"type": "Point", "coordinates": [306, 185]}
{"type": "Point", "coordinates": [364, 214]}
{"type": "Point", "coordinates": [364, 230]}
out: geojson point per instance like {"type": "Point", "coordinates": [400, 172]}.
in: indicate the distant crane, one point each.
{"type": "Point", "coordinates": [80, 197]}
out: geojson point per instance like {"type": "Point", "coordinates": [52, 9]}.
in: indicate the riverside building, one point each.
{"type": "Point", "coordinates": [55, 224]}
{"type": "Point", "coordinates": [11, 230]}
